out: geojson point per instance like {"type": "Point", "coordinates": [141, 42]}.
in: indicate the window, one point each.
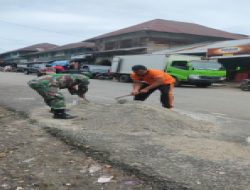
{"type": "Point", "coordinates": [126, 43]}
{"type": "Point", "coordinates": [207, 65]}
{"type": "Point", "coordinates": [180, 65]}
{"type": "Point", "coordinates": [85, 68]}
{"type": "Point", "coordinates": [109, 45]}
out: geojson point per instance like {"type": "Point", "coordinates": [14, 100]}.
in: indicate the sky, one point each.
{"type": "Point", "coordinates": [28, 22]}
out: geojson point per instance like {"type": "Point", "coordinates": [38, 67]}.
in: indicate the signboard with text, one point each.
{"type": "Point", "coordinates": [229, 51]}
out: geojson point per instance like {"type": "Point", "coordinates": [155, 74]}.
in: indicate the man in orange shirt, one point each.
{"type": "Point", "coordinates": [146, 81]}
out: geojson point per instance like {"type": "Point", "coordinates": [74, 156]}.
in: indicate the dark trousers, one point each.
{"type": "Point", "coordinates": [166, 94]}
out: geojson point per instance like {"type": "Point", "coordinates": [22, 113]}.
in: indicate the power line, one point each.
{"type": "Point", "coordinates": [12, 39]}
{"type": "Point", "coordinates": [37, 28]}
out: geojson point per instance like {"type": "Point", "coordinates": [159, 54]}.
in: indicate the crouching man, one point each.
{"type": "Point", "coordinates": [146, 81]}
{"type": "Point", "coordinates": [49, 86]}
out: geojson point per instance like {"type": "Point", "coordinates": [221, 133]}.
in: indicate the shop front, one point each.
{"type": "Point", "coordinates": [236, 60]}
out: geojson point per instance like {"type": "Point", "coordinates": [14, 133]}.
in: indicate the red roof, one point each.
{"type": "Point", "coordinates": [69, 46]}
{"type": "Point", "coordinates": [38, 47]}
{"type": "Point", "coordinates": [160, 25]}
{"type": "Point", "coordinates": [34, 48]}
{"type": "Point", "coordinates": [46, 47]}
{"type": "Point", "coordinates": [74, 46]}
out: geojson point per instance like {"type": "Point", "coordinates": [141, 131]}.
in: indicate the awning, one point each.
{"type": "Point", "coordinates": [122, 50]}
{"type": "Point", "coordinates": [230, 56]}
{"type": "Point", "coordinates": [61, 63]}
{"type": "Point", "coordinates": [83, 56]}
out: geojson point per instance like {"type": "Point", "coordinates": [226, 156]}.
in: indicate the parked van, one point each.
{"type": "Point", "coordinates": [194, 70]}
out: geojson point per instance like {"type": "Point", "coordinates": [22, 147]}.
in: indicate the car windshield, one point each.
{"type": "Point", "coordinates": [21, 66]}
{"type": "Point", "coordinates": [38, 66]}
{"type": "Point", "coordinates": [207, 65]}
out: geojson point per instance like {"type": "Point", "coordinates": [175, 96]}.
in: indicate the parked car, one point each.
{"type": "Point", "coordinates": [21, 68]}
{"type": "Point", "coordinates": [92, 71]}
{"type": "Point", "coordinates": [97, 71]}
{"type": "Point", "coordinates": [48, 69]}
{"type": "Point", "coordinates": [8, 68]}
{"type": "Point", "coordinates": [75, 71]}
{"type": "Point", "coordinates": [34, 68]}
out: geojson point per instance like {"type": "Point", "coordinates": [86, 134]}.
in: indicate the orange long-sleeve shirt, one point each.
{"type": "Point", "coordinates": [152, 75]}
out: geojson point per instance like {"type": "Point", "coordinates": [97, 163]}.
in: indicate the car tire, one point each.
{"type": "Point", "coordinates": [124, 78]}
{"type": "Point", "coordinates": [177, 82]}
{"type": "Point", "coordinates": [26, 72]}
{"type": "Point", "coordinates": [203, 85]}
{"type": "Point", "coordinates": [244, 87]}
{"type": "Point", "coordinates": [39, 74]}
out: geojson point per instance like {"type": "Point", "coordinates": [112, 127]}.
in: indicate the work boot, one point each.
{"type": "Point", "coordinates": [60, 114]}
{"type": "Point", "coordinates": [52, 110]}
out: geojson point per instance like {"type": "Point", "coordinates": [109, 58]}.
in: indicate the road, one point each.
{"type": "Point", "coordinates": [143, 138]}
{"type": "Point", "coordinates": [225, 106]}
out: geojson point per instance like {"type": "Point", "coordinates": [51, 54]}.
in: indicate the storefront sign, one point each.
{"type": "Point", "coordinates": [229, 51]}
{"type": "Point", "coordinates": [83, 56]}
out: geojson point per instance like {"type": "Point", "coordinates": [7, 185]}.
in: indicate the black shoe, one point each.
{"type": "Point", "coordinates": [53, 110]}
{"type": "Point", "coordinates": [63, 116]}
{"type": "Point", "coordinates": [60, 114]}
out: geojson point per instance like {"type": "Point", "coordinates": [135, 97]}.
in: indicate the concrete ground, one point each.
{"type": "Point", "coordinates": [31, 159]}
{"type": "Point", "coordinates": [170, 148]}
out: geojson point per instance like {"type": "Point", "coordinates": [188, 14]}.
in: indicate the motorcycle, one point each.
{"type": "Point", "coordinates": [245, 85]}
{"type": "Point", "coordinates": [103, 76]}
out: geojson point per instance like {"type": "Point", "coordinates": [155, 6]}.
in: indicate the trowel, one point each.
{"type": "Point", "coordinates": [122, 101]}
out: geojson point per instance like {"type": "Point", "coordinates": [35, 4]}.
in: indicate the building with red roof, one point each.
{"type": "Point", "coordinates": [157, 35]}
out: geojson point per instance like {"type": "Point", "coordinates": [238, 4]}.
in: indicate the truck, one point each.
{"type": "Point", "coordinates": [185, 69]}
{"type": "Point", "coordinates": [121, 65]}
{"type": "Point", "coordinates": [194, 70]}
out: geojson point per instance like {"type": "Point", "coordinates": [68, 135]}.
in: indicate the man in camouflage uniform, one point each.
{"type": "Point", "coordinates": [48, 87]}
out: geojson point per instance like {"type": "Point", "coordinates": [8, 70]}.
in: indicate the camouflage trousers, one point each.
{"type": "Point", "coordinates": [51, 95]}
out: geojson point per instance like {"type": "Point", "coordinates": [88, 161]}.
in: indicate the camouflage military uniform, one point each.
{"type": "Point", "coordinates": [48, 87]}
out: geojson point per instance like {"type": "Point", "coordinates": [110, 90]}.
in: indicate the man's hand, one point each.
{"type": "Point", "coordinates": [143, 91]}
{"type": "Point", "coordinates": [72, 90]}
{"type": "Point", "coordinates": [135, 92]}
{"type": "Point", "coordinates": [81, 96]}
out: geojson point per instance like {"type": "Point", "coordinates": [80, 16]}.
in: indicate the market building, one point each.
{"type": "Point", "coordinates": [156, 35]}
{"type": "Point", "coordinates": [16, 56]}
{"type": "Point", "coordinates": [81, 51]}
{"type": "Point", "coordinates": [73, 51]}
{"type": "Point", "coordinates": [147, 37]}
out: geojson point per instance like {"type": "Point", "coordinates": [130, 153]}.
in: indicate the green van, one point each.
{"type": "Point", "coordinates": [194, 70]}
